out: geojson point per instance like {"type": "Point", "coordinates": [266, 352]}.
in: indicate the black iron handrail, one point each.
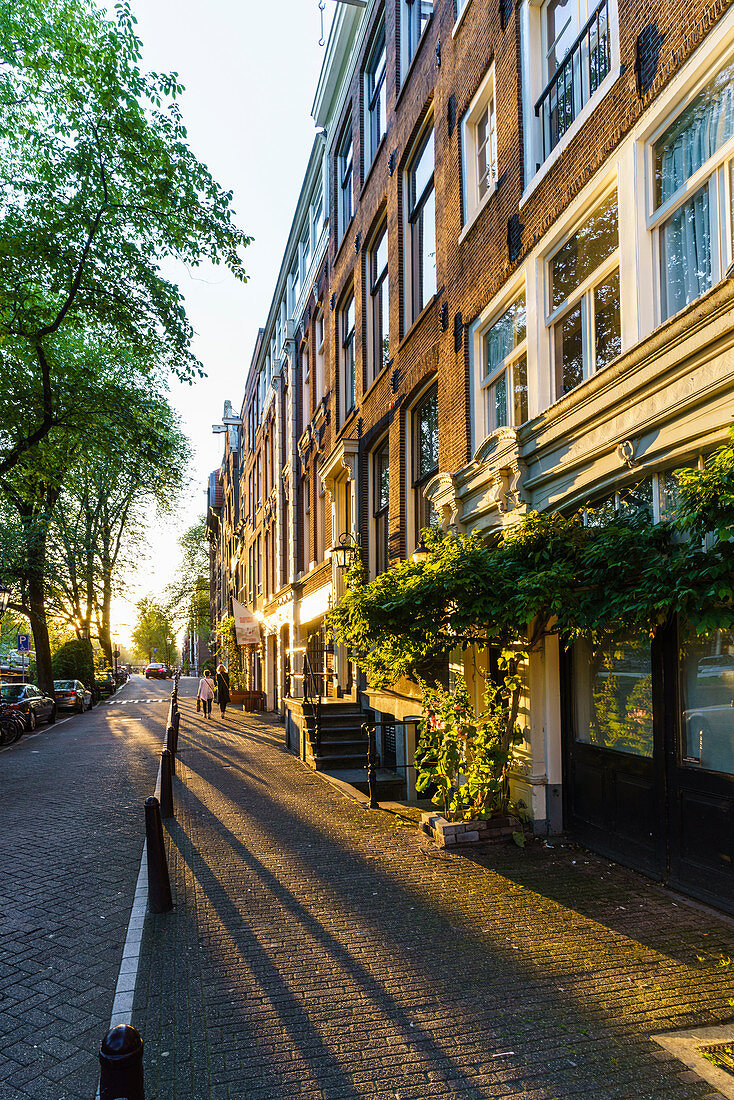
{"type": "Point", "coordinates": [312, 698]}
{"type": "Point", "coordinates": [560, 101]}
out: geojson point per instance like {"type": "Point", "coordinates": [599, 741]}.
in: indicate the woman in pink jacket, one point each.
{"type": "Point", "coordinates": [206, 693]}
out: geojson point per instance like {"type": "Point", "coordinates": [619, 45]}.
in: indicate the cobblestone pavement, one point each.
{"type": "Point", "coordinates": [320, 949]}
{"type": "Point", "coordinates": [72, 838]}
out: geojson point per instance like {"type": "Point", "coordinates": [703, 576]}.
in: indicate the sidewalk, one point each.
{"type": "Point", "coordinates": [321, 949]}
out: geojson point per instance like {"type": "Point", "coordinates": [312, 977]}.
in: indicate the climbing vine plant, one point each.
{"type": "Point", "coordinates": [581, 575]}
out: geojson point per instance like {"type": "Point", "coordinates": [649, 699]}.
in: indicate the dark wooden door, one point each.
{"type": "Point", "coordinates": [614, 758]}
{"type": "Point", "coordinates": [699, 707]}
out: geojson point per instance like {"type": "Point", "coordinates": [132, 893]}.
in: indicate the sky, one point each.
{"type": "Point", "coordinates": [250, 71]}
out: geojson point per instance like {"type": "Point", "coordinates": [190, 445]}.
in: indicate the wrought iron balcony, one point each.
{"type": "Point", "coordinates": [576, 79]}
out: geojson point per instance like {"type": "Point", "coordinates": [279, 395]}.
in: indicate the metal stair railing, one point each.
{"type": "Point", "coordinates": [312, 699]}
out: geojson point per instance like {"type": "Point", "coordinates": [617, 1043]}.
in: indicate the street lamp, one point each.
{"type": "Point", "coordinates": [4, 599]}
{"type": "Point", "coordinates": [346, 550]}
{"type": "Point", "coordinates": [421, 552]}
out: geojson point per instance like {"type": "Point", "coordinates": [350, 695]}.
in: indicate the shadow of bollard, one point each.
{"type": "Point", "coordinates": [159, 884]}
{"type": "Point", "coordinates": [121, 1062]}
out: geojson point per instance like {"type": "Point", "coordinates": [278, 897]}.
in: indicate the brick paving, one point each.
{"type": "Point", "coordinates": [72, 838]}
{"type": "Point", "coordinates": [321, 949]}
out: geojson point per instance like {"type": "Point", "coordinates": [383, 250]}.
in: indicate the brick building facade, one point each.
{"type": "Point", "coordinates": [518, 296]}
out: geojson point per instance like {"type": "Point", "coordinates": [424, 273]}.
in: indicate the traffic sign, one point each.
{"type": "Point", "coordinates": [24, 643]}
{"type": "Point", "coordinates": [154, 649]}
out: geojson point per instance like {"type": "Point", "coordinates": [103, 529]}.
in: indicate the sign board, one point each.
{"type": "Point", "coordinates": [24, 643]}
{"type": "Point", "coordinates": [154, 649]}
{"type": "Point", "coordinates": [246, 626]}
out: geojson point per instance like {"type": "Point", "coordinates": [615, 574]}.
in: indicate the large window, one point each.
{"type": "Point", "coordinates": [346, 322]}
{"type": "Point", "coordinates": [425, 456]}
{"type": "Point", "coordinates": [479, 148]}
{"type": "Point", "coordinates": [584, 299]}
{"type": "Point", "coordinates": [577, 57]}
{"type": "Point", "coordinates": [345, 182]}
{"type": "Point", "coordinates": [416, 14]}
{"type": "Point", "coordinates": [379, 306]}
{"type": "Point", "coordinates": [421, 202]}
{"type": "Point", "coordinates": [320, 365]}
{"type": "Point", "coordinates": [306, 522]}
{"type": "Point", "coordinates": [613, 695]}
{"type": "Point", "coordinates": [693, 163]}
{"type": "Point", "coordinates": [380, 506]}
{"type": "Point", "coordinates": [306, 376]}
{"type": "Point", "coordinates": [375, 96]}
{"type": "Point", "coordinates": [504, 359]}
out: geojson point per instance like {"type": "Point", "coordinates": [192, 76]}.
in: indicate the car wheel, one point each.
{"type": "Point", "coordinates": [81, 708]}
{"type": "Point", "coordinates": [52, 717]}
{"type": "Point", "coordinates": [31, 721]}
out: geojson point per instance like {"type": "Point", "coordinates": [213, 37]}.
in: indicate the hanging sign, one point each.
{"type": "Point", "coordinates": [246, 626]}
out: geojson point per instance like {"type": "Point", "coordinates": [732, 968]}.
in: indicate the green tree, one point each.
{"type": "Point", "coordinates": [153, 631]}
{"type": "Point", "coordinates": [99, 186]}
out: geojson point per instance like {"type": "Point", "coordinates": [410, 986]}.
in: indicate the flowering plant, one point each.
{"type": "Point", "coordinates": [463, 757]}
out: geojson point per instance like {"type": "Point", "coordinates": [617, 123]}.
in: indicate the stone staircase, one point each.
{"type": "Point", "coordinates": [341, 751]}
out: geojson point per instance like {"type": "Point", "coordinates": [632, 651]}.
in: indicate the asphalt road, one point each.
{"type": "Point", "coordinates": [73, 829]}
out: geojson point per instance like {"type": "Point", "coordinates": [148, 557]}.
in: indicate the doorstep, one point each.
{"type": "Point", "coordinates": [687, 1047]}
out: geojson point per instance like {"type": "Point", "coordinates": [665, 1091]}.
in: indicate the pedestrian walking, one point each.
{"type": "Point", "coordinates": [222, 688]}
{"type": "Point", "coordinates": [206, 693]}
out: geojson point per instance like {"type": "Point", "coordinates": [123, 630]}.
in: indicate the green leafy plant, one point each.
{"type": "Point", "coordinates": [463, 757]}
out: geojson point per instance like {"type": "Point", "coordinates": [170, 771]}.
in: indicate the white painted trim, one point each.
{"type": "Point", "coordinates": [460, 18]}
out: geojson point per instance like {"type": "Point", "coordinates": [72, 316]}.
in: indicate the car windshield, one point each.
{"type": "Point", "coordinates": [11, 691]}
{"type": "Point", "coordinates": [64, 685]}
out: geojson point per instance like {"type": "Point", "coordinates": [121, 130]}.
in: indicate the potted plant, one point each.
{"type": "Point", "coordinates": [463, 760]}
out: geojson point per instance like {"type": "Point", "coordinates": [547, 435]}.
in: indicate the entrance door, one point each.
{"type": "Point", "coordinates": [614, 752]}
{"type": "Point", "coordinates": [700, 701]}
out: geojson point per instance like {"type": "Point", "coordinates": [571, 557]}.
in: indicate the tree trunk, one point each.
{"type": "Point", "coordinates": [37, 607]}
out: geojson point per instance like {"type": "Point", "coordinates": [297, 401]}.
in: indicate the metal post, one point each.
{"type": "Point", "coordinates": [159, 884]}
{"type": "Point", "coordinates": [371, 765]}
{"type": "Point", "coordinates": [171, 747]}
{"type": "Point", "coordinates": [121, 1061]}
{"type": "Point", "coordinates": [167, 784]}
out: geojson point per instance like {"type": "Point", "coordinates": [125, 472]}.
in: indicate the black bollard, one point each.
{"type": "Point", "coordinates": [159, 884]}
{"type": "Point", "coordinates": [166, 784]}
{"type": "Point", "coordinates": [121, 1059]}
{"type": "Point", "coordinates": [171, 746]}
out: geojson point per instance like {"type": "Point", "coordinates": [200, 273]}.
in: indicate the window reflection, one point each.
{"type": "Point", "coordinates": [707, 701]}
{"type": "Point", "coordinates": [614, 696]}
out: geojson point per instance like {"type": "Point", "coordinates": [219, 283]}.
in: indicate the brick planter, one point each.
{"type": "Point", "coordinates": [449, 834]}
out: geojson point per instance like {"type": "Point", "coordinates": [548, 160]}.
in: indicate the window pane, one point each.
{"type": "Point", "coordinates": [638, 496]}
{"type": "Point", "coordinates": [685, 253]}
{"type": "Point", "coordinates": [380, 256]}
{"type": "Point", "coordinates": [582, 254]}
{"type": "Point", "coordinates": [607, 321]}
{"type": "Point", "coordinates": [421, 172]}
{"type": "Point", "coordinates": [427, 442]}
{"type": "Point", "coordinates": [562, 27]}
{"type": "Point", "coordinates": [428, 251]}
{"type": "Point", "coordinates": [520, 390]}
{"type": "Point", "coordinates": [505, 334]}
{"type": "Point", "coordinates": [383, 349]}
{"type": "Point", "coordinates": [569, 352]}
{"type": "Point", "coordinates": [707, 701]}
{"type": "Point", "coordinates": [613, 696]}
{"type": "Point", "coordinates": [698, 132]}
{"type": "Point", "coordinates": [500, 401]}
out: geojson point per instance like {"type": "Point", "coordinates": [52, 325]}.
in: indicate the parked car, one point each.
{"type": "Point", "coordinates": [105, 683]}
{"type": "Point", "coordinates": [156, 672]}
{"type": "Point", "coordinates": [31, 702]}
{"type": "Point", "coordinates": [72, 695]}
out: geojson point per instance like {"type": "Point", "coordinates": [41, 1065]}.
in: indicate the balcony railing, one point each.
{"type": "Point", "coordinates": [576, 79]}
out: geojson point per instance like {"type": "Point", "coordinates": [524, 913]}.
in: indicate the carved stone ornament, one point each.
{"type": "Point", "coordinates": [441, 491]}
{"type": "Point", "coordinates": [626, 453]}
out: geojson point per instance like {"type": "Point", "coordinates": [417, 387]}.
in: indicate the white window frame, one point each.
{"type": "Point", "coordinates": [378, 288]}
{"type": "Point", "coordinates": [320, 364]}
{"type": "Point", "coordinates": [376, 514]}
{"type": "Point", "coordinates": [415, 15]}
{"type": "Point", "coordinates": [414, 306]}
{"type": "Point", "coordinates": [484, 101]}
{"type": "Point", "coordinates": [717, 173]}
{"type": "Point", "coordinates": [583, 294]}
{"type": "Point", "coordinates": [306, 385]}
{"type": "Point", "coordinates": [485, 382]}
{"type": "Point", "coordinates": [347, 358]}
{"type": "Point", "coordinates": [411, 489]}
{"type": "Point", "coordinates": [375, 96]}
{"type": "Point", "coordinates": [533, 83]}
{"type": "Point", "coordinates": [345, 181]}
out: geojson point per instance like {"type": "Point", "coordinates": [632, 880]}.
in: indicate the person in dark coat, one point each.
{"type": "Point", "coordinates": [222, 688]}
